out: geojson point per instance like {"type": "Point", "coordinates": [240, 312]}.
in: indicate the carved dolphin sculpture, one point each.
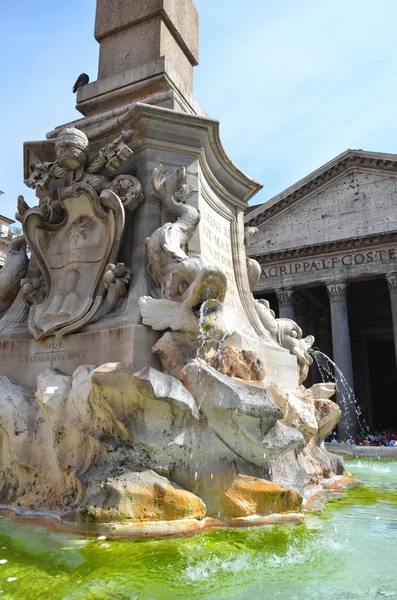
{"type": "Point", "coordinates": [203, 282]}
{"type": "Point", "coordinates": [14, 269]}
{"type": "Point", "coordinates": [166, 246]}
{"type": "Point", "coordinates": [289, 335]}
{"type": "Point", "coordinates": [253, 267]}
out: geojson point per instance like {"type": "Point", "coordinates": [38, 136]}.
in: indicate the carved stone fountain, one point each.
{"type": "Point", "coordinates": [143, 389]}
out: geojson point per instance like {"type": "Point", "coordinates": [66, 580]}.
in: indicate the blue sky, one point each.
{"type": "Point", "coordinates": [293, 83]}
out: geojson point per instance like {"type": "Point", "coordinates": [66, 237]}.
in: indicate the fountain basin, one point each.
{"type": "Point", "coordinates": [338, 552]}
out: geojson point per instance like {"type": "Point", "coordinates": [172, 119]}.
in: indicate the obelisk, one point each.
{"type": "Point", "coordinates": [141, 119]}
{"type": "Point", "coordinates": [148, 49]}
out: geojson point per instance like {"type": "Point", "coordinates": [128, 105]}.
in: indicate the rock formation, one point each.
{"type": "Point", "coordinates": [118, 448]}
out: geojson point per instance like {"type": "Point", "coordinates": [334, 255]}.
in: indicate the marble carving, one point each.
{"type": "Point", "coordinates": [13, 270]}
{"type": "Point", "coordinates": [183, 282]}
{"type": "Point", "coordinates": [74, 235]}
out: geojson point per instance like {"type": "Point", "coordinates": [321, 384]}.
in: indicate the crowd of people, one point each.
{"type": "Point", "coordinates": [385, 437]}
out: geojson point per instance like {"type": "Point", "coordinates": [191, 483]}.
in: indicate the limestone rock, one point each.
{"type": "Point", "coordinates": [305, 471]}
{"type": "Point", "coordinates": [250, 495]}
{"type": "Point", "coordinates": [148, 384]}
{"type": "Point", "coordinates": [53, 388]}
{"type": "Point", "coordinates": [143, 496]}
{"type": "Point", "coordinates": [328, 415]}
{"type": "Point", "coordinates": [39, 459]}
{"type": "Point", "coordinates": [174, 350]}
{"type": "Point", "coordinates": [109, 440]}
{"type": "Point", "coordinates": [280, 439]}
{"type": "Point", "coordinates": [236, 362]}
{"type": "Point", "coordinates": [298, 409]}
{"type": "Point", "coordinates": [240, 414]}
{"type": "Point", "coordinates": [323, 390]}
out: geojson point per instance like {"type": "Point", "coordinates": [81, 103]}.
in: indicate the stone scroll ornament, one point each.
{"type": "Point", "coordinates": [285, 332]}
{"type": "Point", "coordinates": [183, 282]}
{"type": "Point", "coordinates": [75, 235]}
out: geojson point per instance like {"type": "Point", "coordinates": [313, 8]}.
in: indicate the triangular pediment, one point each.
{"type": "Point", "coordinates": [353, 196]}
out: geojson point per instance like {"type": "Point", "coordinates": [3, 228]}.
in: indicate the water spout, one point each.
{"type": "Point", "coordinates": [352, 421]}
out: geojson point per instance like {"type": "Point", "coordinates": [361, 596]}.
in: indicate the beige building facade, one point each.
{"type": "Point", "coordinates": [5, 237]}
{"type": "Point", "coordinates": [327, 247]}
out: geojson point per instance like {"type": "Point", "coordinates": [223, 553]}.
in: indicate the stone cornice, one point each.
{"type": "Point", "coordinates": [327, 248]}
{"type": "Point", "coordinates": [347, 161]}
{"type": "Point", "coordinates": [156, 126]}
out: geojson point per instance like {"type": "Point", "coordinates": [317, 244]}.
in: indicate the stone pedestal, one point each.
{"type": "Point", "coordinates": [174, 139]}
{"type": "Point", "coordinates": [24, 359]}
{"type": "Point", "coordinates": [342, 357]}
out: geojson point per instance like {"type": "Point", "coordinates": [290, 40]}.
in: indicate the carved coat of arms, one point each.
{"type": "Point", "coordinates": [72, 256]}
{"type": "Point", "coordinates": [75, 234]}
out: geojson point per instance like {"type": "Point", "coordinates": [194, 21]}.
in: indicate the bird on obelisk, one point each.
{"type": "Point", "coordinates": [81, 80]}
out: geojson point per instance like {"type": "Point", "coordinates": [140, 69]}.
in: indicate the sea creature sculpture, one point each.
{"type": "Point", "coordinates": [284, 332]}
{"type": "Point", "coordinates": [253, 267]}
{"type": "Point", "coordinates": [287, 334]}
{"type": "Point", "coordinates": [184, 282]}
{"type": "Point", "coordinates": [14, 269]}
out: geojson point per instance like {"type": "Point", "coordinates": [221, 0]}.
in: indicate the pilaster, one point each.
{"type": "Point", "coordinates": [392, 285]}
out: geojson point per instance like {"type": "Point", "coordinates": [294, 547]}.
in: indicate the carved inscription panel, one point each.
{"type": "Point", "coordinates": [217, 247]}
{"type": "Point", "coordinates": [53, 355]}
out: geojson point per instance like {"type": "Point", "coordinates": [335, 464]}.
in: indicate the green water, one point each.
{"type": "Point", "coordinates": [345, 552]}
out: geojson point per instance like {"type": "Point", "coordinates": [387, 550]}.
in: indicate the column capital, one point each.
{"type": "Point", "coordinates": [285, 297]}
{"type": "Point", "coordinates": [337, 291]}
{"type": "Point", "coordinates": [392, 282]}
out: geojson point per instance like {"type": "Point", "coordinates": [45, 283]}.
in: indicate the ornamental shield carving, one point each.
{"type": "Point", "coordinates": [72, 256]}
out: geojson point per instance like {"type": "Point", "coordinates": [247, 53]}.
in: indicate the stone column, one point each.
{"type": "Point", "coordinates": [324, 335]}
{"type": "Point", "coordinates": [302, 309]}
{"type": "Point", "coordinates": [342, 357]}
{"type": "Point", "coordinates": [302, 319]}
{"type": "Point", "coordinates": [285, 303]}
{"type": "Point", "coordinates": [314, 375]}
{"type": "Point", "coordinates": [392, 284]}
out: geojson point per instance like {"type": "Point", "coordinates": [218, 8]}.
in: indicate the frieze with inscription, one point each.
{"type": "Point", "coordinates": [345, 261]}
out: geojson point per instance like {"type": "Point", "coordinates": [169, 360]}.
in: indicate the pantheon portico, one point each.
{"type": "Point", "coordinates": [328, 251]}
